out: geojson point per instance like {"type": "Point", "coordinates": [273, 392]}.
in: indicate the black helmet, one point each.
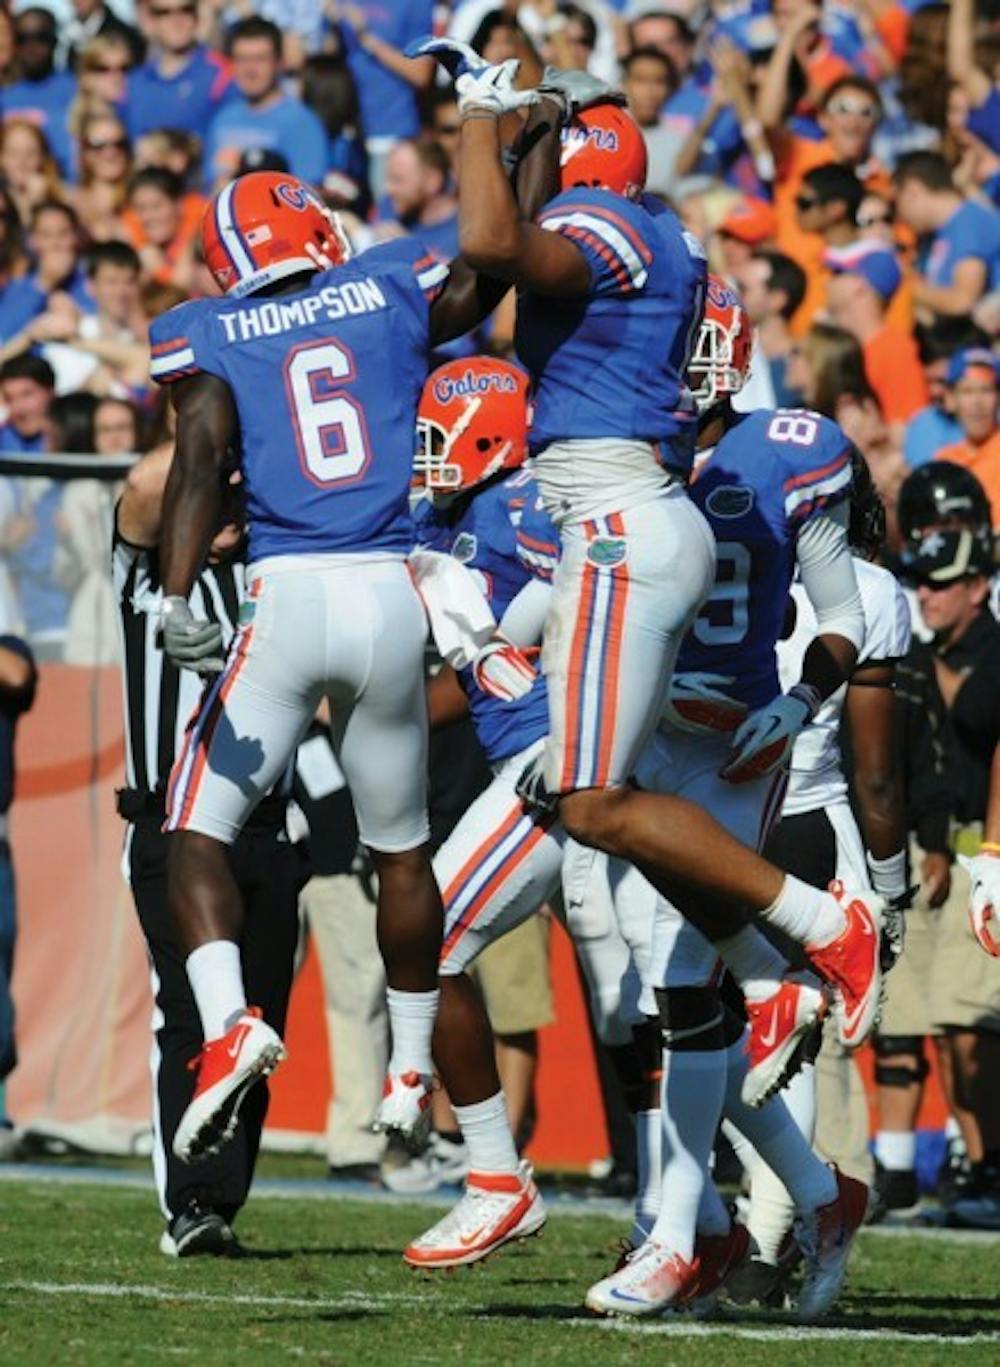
{"type": "Point", "coordinates": [944, 557]}
{"type": "Point", "coordinates": [940, 494]}
{"type": "Point", "coordinates": [866, 528]}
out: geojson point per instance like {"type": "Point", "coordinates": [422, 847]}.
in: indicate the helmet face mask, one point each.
{"type": "Point", "coordinates": [720, 362]}
{"type": "Point", "coordinates": [472, 424]}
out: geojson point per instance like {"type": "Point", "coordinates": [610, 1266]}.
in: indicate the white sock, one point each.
{"type": "Point", "coordinates": [783, 1149]}
{"type": "Point", "coordinates": [411, 1020]}
{"type": "Point", "coordinates": [807, 914]}
{"type": "Point", "coordinates": [799, 1096]}
{"type": "Point", "coordinates": [753, 961]}
{"type": "Point", "coordinates": [952, 1129]}
{"type": "Point", "coordinates": [216, 977]}
{"type": "Point", "coordinates": [694, 1084]}
{"type": "Point", "coordinates": [896, 1150]}
{"type": "Point", "coordinates": [649, 1148]}
{"type": "Point", "coordinates": [713, 1213]}
{"type": "Point", "coordinates": [486, 1131]}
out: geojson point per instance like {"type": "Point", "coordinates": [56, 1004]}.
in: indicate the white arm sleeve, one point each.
{"type": "Point", "coordinates": [826, 568]}
{"type": "Point", "coordinates": [524, 620]}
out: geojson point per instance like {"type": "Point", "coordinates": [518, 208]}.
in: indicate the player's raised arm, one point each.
{"type": "Point", "coordinates": [207, 430]}
{"type": "Point", "coordinates": [470, 295]}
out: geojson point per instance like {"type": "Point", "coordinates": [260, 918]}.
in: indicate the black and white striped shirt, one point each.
{"type": "Point", "coordinates": [159, 698]}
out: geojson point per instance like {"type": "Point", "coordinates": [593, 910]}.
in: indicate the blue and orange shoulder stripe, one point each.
{"type": "Point", "coordinates": [606, 230]}
{"type": "Point", "coordinates": [827, 482]}
{"type": "Point", "coordinates": [172, 359]}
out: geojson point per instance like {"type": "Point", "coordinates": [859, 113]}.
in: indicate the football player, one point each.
{"type": "Point", "coordinates": [310, 367]}
{"type": "Point", "coordinates": [819, 838]}
{"type": "Point", "coordinates": [775, 489]}
{"type": "Point", "coordinates": [471, 444]}
{"type": "Point", "coordinates": [611, 293]}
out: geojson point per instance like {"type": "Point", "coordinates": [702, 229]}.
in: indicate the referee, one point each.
{"type": "Point", "coordinates": [199, 1203]}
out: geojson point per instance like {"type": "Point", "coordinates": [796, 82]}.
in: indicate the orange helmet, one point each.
{"type": "Point", "coordinates": [720, 363]}
{"type": "Point", "coordinates": [256, 229]}
{"type": "Point", "coordinates": [472, 422]}
{"type": "Point", "coordinates": [604, 146]}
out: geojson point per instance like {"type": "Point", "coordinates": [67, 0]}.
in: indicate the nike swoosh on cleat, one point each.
{"type": "Point", "coordinates": [624, 1296]}
{"type": "Point", "coordinates": [769, 1037]}
{"type": "Point", "coordinates": [466, 1239]}
{"type": "Point", "coordinates": [238, 1044]}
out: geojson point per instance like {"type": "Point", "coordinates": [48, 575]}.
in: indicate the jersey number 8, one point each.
{"type": "Point", "coordinates": [790, 425]}
{"type": "Point", "coordinates": [329, 424]}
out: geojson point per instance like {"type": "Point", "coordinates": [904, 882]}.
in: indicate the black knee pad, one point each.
{"type": "Point", "coordinates": [900, 1074]}
{"type": "Point", "coordinates": [690, 1018]}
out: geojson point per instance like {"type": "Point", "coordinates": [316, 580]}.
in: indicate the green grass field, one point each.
{"type": "Point", "coordinates": [81, 1281]}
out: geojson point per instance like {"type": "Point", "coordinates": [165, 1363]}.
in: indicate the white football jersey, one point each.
{"type": "Point", "coordinates": [817, 776]}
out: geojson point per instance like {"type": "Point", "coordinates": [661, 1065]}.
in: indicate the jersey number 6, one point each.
{"type": "Point", "coordinates": [329, 424]}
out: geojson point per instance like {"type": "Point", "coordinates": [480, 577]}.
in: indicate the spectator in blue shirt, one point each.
{"type": "Point", "coordinates": [54, 242]}
{"type": "Point", "coordinates": [42, 95]}
{"type": "Point", "coordinates": [261, 114]}
{"type": "Point", "coordinates": [960, 240]}
{"type": "Point", "coordinates": [419, 193]}
{"type": "Point", "coordinates": [184, 82]}
{"type": "Point", "coordinates": [934, 427]}
{"type": "Point", "coordinates": [375, 34]}
{"type": "Point", "coordinates": [27, 389]}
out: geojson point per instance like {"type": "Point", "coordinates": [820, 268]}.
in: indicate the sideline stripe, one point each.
{"type": "Point", "coordinates": [781, 1333]}
{"type": "Point", "coordinates": [682, 1327]}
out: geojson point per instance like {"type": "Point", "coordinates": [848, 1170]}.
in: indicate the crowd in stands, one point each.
{"type": "Point", "coordinates": [840, 161]}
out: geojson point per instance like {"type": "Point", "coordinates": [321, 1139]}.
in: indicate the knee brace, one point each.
{"type": "Point", "coordinates": [690, 1018]}
{"type": "Point", "coordinates": [900, 1074]}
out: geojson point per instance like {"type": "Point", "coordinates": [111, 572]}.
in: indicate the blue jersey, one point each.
{"type": "Point", "coordinates": [483, 537]}
{"type": "Point", "coordinates": [973, 231]}
{"type": "Point", "coordinates": [46, 104]}
{"type": "Point", "coordinates": [326, 382]}
{"type": "Point", "coordinates": [288, 127]}
{"type": "Point", "coordinates": [186, 100]}
{"type": "Point", "coordinates": [768, 476]}
{"type": "Point", "coordinates": [611, 363]}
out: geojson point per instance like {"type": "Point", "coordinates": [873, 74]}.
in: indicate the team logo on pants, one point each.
{"type": "Point", "coordinates": [607, 551]}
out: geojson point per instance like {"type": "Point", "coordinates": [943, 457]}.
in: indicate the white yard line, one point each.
{"type": "Point", "coordinates": [359, 1300]}
{"type": "Point", "coordinates": [779, 1333]}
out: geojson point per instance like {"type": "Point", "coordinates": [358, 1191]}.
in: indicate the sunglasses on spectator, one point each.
{"type": "Point", "coordinates": [857, 108]}
{"type": "Point", "coordinates": [448, 129]}
{"type": "Point", "coordinates": [106, 144]}
{"type": "Point", "coordinates": [35, 35]}
{"type": "Point", "coordinates": [871, 220]}
{"type": "Point", "coordinates": [805, 202]}
{"type": "Point", "coordinates": [108, 69]}
{"type": "Point", "coordinates": [165, 11]}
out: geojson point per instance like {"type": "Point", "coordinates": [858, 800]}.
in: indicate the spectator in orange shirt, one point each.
{"type": "Point", "coordinates": [161, 222]}
{"type": "Point", "coordinates": [849, 116]}
{"type": "Point", "coordinates": [973, 388]}
{"type": "Point", "coordinates": [826, 210]}
{"type": "Point", "coordinates": [865, 278]}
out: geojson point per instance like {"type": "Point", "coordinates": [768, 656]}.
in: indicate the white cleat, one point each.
{"type": "Point", "coordinates": [405, 1109]}
{"type": "Point", "coordinates": [495, 1209]}
{"type": "Point", "coordinates": [651, 1280]}
{"type": "Point", "coordinates": [227, 1068]}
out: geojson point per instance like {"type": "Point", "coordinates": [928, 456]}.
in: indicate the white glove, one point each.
{"type": "Point", "coordinates": [190, 642]}
{"type": "Point", "coordinates": [764, 742]}
{"type": "Point", "coordinates": [503, 671]}
{"type": "Point", "coordinates": [984, 902]}
{"type": "Point", "coordinates": [699, 703]}
{"type": "Point", "coordinates": [888, 878]}
{"type": "Point", "coordinates": [492, 89]}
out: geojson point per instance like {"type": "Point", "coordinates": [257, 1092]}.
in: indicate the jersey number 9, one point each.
{"type": "Point", "coordinates": [329, 424]}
